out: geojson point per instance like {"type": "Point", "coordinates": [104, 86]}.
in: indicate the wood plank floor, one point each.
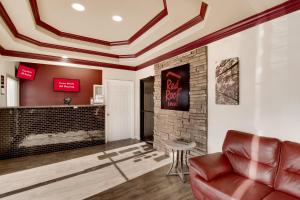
{"type": "Point", "coordinates": [154, 185]}
{"type": "Point", "coordinates": [28, 162]}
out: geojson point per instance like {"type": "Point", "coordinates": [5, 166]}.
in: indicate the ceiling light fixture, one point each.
{"type": "Point", "coordinates": [78, 7]}
{"type": "Point", "coordinates": [117, 18]}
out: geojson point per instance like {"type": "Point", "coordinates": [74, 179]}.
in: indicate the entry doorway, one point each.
{"type": "Point", "coordinates": [12, 92]}
{"type": "Point", "coordinates": [119, 101]}
{"type": "Point", "coordinates": [147, 109]}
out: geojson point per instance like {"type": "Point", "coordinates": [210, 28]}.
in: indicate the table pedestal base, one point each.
{"type": "Point", "coordinates": [179, 166]}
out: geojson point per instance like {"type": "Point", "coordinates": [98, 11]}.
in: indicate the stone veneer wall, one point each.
{"type": "Point", "coordinates": [170, 124]}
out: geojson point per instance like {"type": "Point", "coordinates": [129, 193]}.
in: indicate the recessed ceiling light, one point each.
{"type": "Point", "coordinates": [78, 7]}
{"type": "Point", "coordinates": [117, 18]}
{"type": "Point", "coordinates": [64, 57]}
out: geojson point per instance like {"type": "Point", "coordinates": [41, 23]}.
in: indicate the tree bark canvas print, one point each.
{"type": "Point", "coordinates": [227, 82]}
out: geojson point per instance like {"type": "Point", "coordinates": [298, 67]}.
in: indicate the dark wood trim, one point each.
{"type": "Point", "coordinates": [20, 54]}
{"type": "Point", "coordinates": [35, 10]}
{"type": "Point", "coordinates": [267, 15]}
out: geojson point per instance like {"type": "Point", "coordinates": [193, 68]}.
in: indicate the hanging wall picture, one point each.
{"type": "Point", "coordinates": [227, 82]}
{"type": "Point", "coordinates": [175, 88]}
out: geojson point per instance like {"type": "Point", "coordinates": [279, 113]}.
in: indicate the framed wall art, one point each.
{"type": "Point", "coordinates": [175, 88]}
{"type": "Point", "coordinates": [227, 82]}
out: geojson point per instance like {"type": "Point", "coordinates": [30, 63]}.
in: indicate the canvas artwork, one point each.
{"type": "Point", "coordinates": [227, 82]}
{"type": "Point", "coordinates": [175, 87]}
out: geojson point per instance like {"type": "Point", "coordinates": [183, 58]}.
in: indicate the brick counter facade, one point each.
{"type": "Point", "coordinates": [36, 130]}
{"type": "Point", "coordinates": [192, 124]}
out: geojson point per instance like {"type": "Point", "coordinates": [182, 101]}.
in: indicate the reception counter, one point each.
{"type": "Point", "coordinates": [43, 129]}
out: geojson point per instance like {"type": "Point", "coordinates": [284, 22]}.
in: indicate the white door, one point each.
{"type": "Point", "coordinates": [119, 110]}
{"type": "Point", "coordinates": [12, 91]}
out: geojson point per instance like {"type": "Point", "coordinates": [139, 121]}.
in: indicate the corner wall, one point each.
{"type": "Point", "coordinates": [192, 124]}
{"type": "Point", "coordinates": [269, 82]}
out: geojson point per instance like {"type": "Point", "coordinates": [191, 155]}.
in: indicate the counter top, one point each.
{"type": "Point", "coordinates": [52, 106]}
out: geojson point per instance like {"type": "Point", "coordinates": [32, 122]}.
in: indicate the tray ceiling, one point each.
{"type": "Point", "coordinates": [169, 25]}
{"type": "Point", "coordinates": [96, 21]}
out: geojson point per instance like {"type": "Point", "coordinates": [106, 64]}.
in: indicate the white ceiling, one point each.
{"type": "Point", "coordinates": [96, 22]}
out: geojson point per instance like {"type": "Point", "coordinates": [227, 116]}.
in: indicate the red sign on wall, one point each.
{"type": "Point", "coordinates": [26, 73]}
{"type": "Point", "coordinates": [66, 85]}
{"type": "Point", "coordinates": [175, 86]}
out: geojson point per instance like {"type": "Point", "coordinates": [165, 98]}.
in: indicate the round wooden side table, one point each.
{"type": "Point", "coordinates": [179, 166]}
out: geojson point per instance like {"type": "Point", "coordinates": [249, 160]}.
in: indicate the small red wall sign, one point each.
{"type": "Point", "coordinates": [66, 85]}
{"type": "Point", "coordinates": [175, 87]}
{"type": "Point", "coordinates": [26, 73]}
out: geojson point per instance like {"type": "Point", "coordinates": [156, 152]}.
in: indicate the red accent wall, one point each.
{"type": "Point", "coordinates": [40, 91]}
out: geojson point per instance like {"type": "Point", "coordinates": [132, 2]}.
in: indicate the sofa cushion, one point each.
{"type": "Point", "coordinates": [288, 176]}
{"type": "Point", "coordinates": [253, 156]}
{"type": "Point", "coordinates": [231, 186]}
{"type": "Point", "coordinates": [276, 195]}
{"type": "Point", "coordinates": [211, 165]}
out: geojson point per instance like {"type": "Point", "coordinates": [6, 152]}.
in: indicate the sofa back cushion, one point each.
{"type": "Point", "coordinates": [253, 156]}
{"type": "Point", "coordinates": [288, 176]}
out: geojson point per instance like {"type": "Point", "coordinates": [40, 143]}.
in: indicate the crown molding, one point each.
{"type": "Point", "coordinates": [39, 22]}
{"type": "Point", "coordinates": [262, 17]}
{"type": "Point", "coordinates": [20, 54]}
{"type": "Point", "coordinates": [267, 15]}
{"type": "Point", "coordinates": [5, 16]}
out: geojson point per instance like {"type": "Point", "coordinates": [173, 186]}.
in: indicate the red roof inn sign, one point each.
{"type": "Point", "coordinates": [175, 87]}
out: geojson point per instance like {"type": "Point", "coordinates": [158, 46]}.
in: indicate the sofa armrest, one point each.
{"type": "Point", "coordinates": [210, 166]}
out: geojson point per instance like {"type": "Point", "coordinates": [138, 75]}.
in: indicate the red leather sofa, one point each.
{"type": "Point", "coordinates": [250, 167]}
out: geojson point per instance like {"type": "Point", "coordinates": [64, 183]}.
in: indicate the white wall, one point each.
{"type": "Point", "coordinates": [7, 68]}
{"type": "Point", "coordinates": [269, 82]}
{"type": "Point", "coordinates": [115, 74]}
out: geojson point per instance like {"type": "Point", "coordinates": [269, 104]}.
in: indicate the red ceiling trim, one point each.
{"type": "Point", "coordinates": [35, 10]}
{"type": "Point", "coordinates": [20, 36]}
{"type": "Point", "coordinates": [35, 56]}
{"type": "Point", "coordinates": [177, 31]}
{"type": "Point", "coordinates": [199, 18]}
{"type": "Point", "coordinates": [267, 15]}
{"type": "Point", "coordinates": [270, 14]}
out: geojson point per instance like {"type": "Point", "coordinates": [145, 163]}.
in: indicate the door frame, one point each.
{"type": "Point", "coordinates": [131, 84]}
{"type": "Point", "coordinates": [141, 108]}
{"type": "Point", "coordinates": [8, 76]}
